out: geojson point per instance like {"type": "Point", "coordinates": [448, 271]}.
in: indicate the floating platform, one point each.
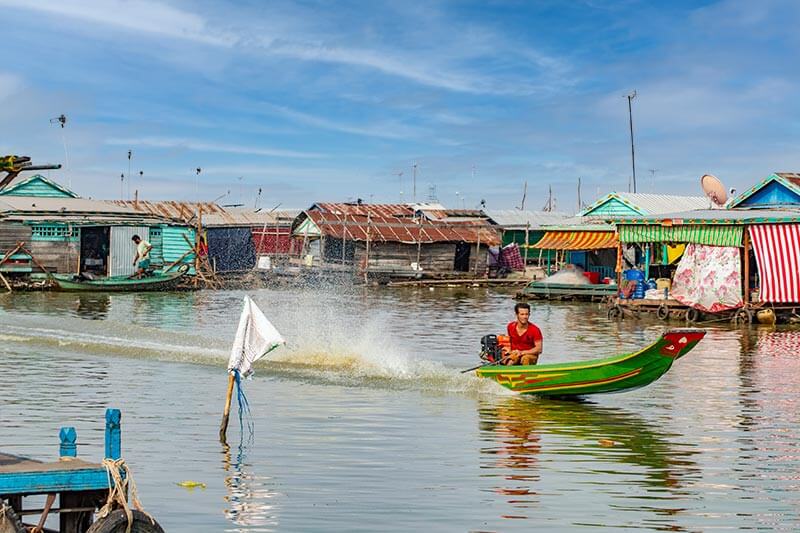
{"type": "Point", "coordinates": [565, 291]}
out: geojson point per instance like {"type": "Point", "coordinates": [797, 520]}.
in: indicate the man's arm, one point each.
{"type": "Point", "coordinates": [536, 350]}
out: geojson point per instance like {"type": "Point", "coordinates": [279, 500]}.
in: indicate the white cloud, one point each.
{"type": "Point", "coordinates": [388, 130]}
{"type": "Point", "coordinates": [9, 85]}
{"type": "Point", "coordinates": [140, 16]}
{"type": "Point", "coordinates": [208, 146]}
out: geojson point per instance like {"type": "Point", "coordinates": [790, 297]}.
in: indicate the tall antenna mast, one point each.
{"type": "Point", "coordinates": [414, 184]}
{"type": "Point", "coordinates": [630, 98]}
{"type": "Point", "coordinates": [524, 195]}
{"type": "Point", "coordinates": [580, 204]}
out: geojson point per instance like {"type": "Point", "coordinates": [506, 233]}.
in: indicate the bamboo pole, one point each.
{"type": "Point", "coordinates": [366, 262]}
{"type": "Point", "coordinates": [477, 253]}
{"type": "Point", "coordinates": [223, 427]}
{"type": "Point", "coordinates": [746, 266]}
{"type": "Point", "coordinates": [5, 282]}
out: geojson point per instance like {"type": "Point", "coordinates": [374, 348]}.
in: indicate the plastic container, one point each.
{"type": "Point", "coordinates": [593, 277]}
{"type": "Point", "coordinates": [651, 284]}
{"type": "Point", "coordinates": [663, 283]}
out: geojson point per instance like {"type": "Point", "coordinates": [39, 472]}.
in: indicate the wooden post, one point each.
{"type": "Point", "coordinates": [344, 238]}
{"type": "Point", "coordinates": [746, 266]}
{"type": "Point", "coordinates": [647, 263]}
{"type": "Point", "coordinates": [477, 252]}
{"type": "Point", "coordinates": [366, 261]}
{"type": "Point", "coordinates": [67, 446]}
{"type": "Point", "coordinates": [527, 244]}
{"type": "Point", "coordinates": [223, 427]}
{"type": "Point", "coordinates": [113, 434]}
{"type": "Point", "coordinates": [6, 283]}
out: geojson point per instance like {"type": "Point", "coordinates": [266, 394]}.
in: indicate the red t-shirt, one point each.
{"type": "Point", "coordinates": [527, 340]}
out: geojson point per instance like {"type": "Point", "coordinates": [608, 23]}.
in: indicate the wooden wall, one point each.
{"type": "Point", "coordinates": [56, 256]}
{"type": "Point", "coordinates": [11, 233]}
{"type": "Point", "coordinates": [435, 258]}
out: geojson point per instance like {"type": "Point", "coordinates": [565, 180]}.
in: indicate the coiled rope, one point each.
{"type": "Point", "coordinates": [120, 480]}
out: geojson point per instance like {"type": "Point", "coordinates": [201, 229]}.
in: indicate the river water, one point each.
{"type": "Point", "coordinates": [363, 422]}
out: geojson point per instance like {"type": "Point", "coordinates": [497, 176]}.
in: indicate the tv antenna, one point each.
{"type": "Point", "coordinates": [524, 196]}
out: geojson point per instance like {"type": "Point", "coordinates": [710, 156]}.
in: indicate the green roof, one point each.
{"type": "Point", "coordinates": [37, 186]}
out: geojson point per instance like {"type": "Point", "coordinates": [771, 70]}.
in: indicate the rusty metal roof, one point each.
{"type": "Point", "coordinates": [182, 211]}
{"type": "Point", "coordinates": [380, 210]}
{"type": "Point", "coordinates": [358, 226]}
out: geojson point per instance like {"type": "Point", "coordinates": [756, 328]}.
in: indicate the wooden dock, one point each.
{"type": "Point", "coordinates": [81, 487]}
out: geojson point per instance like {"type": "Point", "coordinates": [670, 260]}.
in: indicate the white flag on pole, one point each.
{"type": "Point", "coordinates": [255, 338]}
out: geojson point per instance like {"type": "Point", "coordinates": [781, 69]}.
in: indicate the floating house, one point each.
{"type": "Point", "coordinates": [525, 227]}
{"type": "Point", "coordinates": [745, 256]}
{"type": "Point", "coordinates": [236, 236]}
{"type": "Point", "coordinates": [44, 226]}
{"type": "Point", "coordinates": [394, 239]}
{"type": "Point", "coordinates": [69, 235]}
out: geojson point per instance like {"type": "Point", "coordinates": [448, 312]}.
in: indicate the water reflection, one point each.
{"type": "Point", "coordinates": [251, 499]}
{"type": "Point", "coordinates": [93, 306]}
{"type": "Point", "coordinates": [520, 449]}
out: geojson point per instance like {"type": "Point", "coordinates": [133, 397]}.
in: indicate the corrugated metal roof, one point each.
{"type": "Point", "coordinates": [78, 210]}
{"type": "Point", "coordinates": [516, 219]}
{"type": "Point", "coordinates": [399, 229]}
{"type": "Point", "coordinates": [652, 204]}
{"type": "Point", "coordinates": [380, 210]}
{"type": "Point", "coordinates": [247, 217]}
{"type": "Point", "coordinates": [180, 211]}
{"type": "Point", "coordinates": [719, 216]}
{"type": "Point", "coordinates": [793, 177]}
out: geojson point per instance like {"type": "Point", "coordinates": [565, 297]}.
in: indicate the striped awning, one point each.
{"type": "Point", "coordinates": [577, 240]}
{"type": "Point", "coordinates": [777, 251]}
{"type": "Point", "coordinates": [708, 235]}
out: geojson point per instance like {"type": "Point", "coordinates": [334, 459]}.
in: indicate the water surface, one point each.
{"type": "Point", "coordinates": [363, 422]}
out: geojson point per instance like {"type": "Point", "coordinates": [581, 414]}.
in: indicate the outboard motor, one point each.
{"type": "Point", "coordinates": [491, 352]}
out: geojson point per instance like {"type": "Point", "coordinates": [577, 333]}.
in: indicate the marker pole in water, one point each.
{"type": "Point", "coordinates": [223, 427]}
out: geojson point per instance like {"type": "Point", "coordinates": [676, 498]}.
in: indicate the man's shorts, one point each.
{"type": "Point", "coordinates": [144, 264]}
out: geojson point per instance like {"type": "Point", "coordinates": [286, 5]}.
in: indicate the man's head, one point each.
{"type": "Point", "coordinates": [136, 239]}
{"type": "Point", "coordinates": [523, 311]}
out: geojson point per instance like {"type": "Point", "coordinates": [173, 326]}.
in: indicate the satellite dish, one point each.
{"type": "Point", "coordinates": [714, 189]}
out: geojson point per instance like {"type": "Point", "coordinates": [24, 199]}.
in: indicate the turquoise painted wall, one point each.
{"type": "Point", "coordinates": [611, 207]}
{"type": "Point", "coordinates": [36, 186]}
{"type": "Point", "coordinates": [174, 245]}
{"type": "Point", "coordinates": [55, 233]}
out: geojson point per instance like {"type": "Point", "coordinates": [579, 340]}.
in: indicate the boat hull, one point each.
{"type": "Point", "coordinates": [612, 374]}
{"type": "Point", "coordinates": [161, 282]}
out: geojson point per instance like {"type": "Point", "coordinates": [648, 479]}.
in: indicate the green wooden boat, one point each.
{"type": "Point", "coordinates": [155, 282]}
{"type": "Point", "coordinates": [612, 374]}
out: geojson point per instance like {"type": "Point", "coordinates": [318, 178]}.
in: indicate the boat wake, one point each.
{"type": "Point", "coordinates": [371, 362]}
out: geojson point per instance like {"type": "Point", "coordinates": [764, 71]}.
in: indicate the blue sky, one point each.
{"type": "Point", "coordinates": [332, 100]}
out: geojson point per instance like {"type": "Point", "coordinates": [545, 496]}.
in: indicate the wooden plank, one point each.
{"type": "Point", "coordinates": [65, 479]}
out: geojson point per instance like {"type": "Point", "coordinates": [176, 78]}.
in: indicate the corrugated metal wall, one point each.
{"type": "Point", "coordinates": [231, 249]}
{"type": "Point", "coordinates": [273, 240]}
{"type": "Point", "coordinates": [174, 245]}
{"type": "Point", "coordinates": [612, 207]}
{"type": "Point", "coordinates": [123, 249]}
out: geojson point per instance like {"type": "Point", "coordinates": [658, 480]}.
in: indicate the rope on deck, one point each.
{"type": "Point", "coordinates": [120, 479]}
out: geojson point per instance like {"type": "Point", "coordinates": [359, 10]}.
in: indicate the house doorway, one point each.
{"type": "Point", "coordinates": [94, 250]}
{"type": "Point", "coordinates": [461, 263]}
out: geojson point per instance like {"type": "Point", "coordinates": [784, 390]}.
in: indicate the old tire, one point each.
{"type": "Point", "coordinates": [9, 521]}
{"type": "Point", "coordinates": [692, 315]}
{"type": "Point", "coordinates": [117, 522]}
{"type": "Point", "coordinates": [614, 311]}
{"type": "Point", "coordinates": [662, 312]}
{"type": "Point", "coordinates": [743, 317]}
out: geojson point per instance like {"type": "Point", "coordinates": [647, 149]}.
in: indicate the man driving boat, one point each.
{"type": "Point", "coordinates": [526, 338]}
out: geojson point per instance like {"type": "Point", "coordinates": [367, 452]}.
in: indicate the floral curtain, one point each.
{"type": "Point", "coordinates": [709, 278]}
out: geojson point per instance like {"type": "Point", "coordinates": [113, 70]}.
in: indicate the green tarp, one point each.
{"type": "Point", "coordinates": [710, 235]}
